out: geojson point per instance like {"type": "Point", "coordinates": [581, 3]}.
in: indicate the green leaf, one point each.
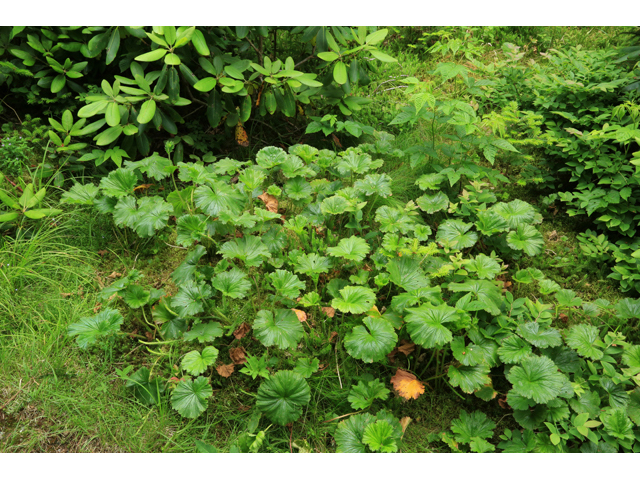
{"type": "Point", "coordinates": [312, 264]}
{"type": "Point", "coordinates": [286, 283]}
{"type": "Point", "coordinates": [539, 336]}
{"type": "Point", "coordinates": [536, 378]}
{"type": "Point", "coordinates": [489, 223]}
{"type": "Point", "coordinates": [633, 407]}
{"type": "Point", "coordinates": [526, 238]}
{"type": "Point", "coordinates": [58, 83]}
{"type": "Point", "coordinates": [270, 157]}
{"type": "Point", "coordinates": [348, 435]}
{"type": "Point", "coordinates": [393, 220]}
{"type": "Point", "coordinates": [379, 437]}
{"type": "Point", "coordinates": [89, 329]}
{"type": "Point", "coordinates": [147, 112]}
{"type": "Point", "coordinates": [190, 228]}
{"type": "Point", "coordinates": [430, 181]}
{"type": "Point", "coordinates": [335, 205]}
{"type": "Point", "coordinates": [425, 324]}
{"type": "Point", "coordinates": [515, 213]}
{"type": "Point", "coordinates": [568, 298]}
{"type": "Point", "coordinates": [190, 397]}
{"type": "Point", "coordinates": [513, 349]}
{"type": "Point", "coordinates": [487, 294]}
{"type": "Point", "coordinates": [376, 37]}
{"type": "Point", "coordinates": [191, 297]}
{"type": "Point", "coordinates": [354, 300]}
{"type": "Point", "coordinates": [206, 84]}
{"type": "Point", "coordinates": [283, 330]}
{"type": "Point", "coordinates": [196, 363]}
{"type": "Point", "coordinates": [453, 234]}
{"type": "Point", "coordinates": [282, 396]}
{"type": "Point", "coordinates": [352, 248]}
{"type": "Point", "coordinates": [222, 198]}
{"type": "Point", "coordinates": [340, 73]}
{"type": "Point", "coordinates": [232, 284]}
{"type": "Point", "coordinates": [200, 44]}
{"type": "Point", "coordinates": [144, 389]}
{"type": "Point", "coordinates": [363, 394]}
{"type": "Point", "coordinates": [405, 272]}
{"type": "Point", "coordinates": [617, 424]}
{"type": "Point", "coordinates": [470, 426]}
{"type": "Point", "coordinates": [433, 203]}
{"type": "Point", "coordinates": [383, 57]}
{"type": "Point", "coordinates": [109, 135]}
{"type": "Point", "coordinates": [372, 345]}
{"type": "Point", "coordinates": [298, 189]}
{"type": "Point", "coordinates": [153, 215]}
{"type": "Point", "coordinates": [306, 367]}
{"type": "Point", "coordinates": [469, 378]}
{"type": "Point", "coordinates": [484, 267]}
{"type": "Point", "coordinates": [119, 183]}
{"type": "Point", "coordinates": [204, 332]}
{"type": "Point", "coordinates": [249, 249]}
{"type": "Point", "coordinates": [135, 296]}
{"type": "Point", "coordinates": [151, 56]}
{"type": "Point", "coordinates": [375, 184]}
{"type": "Point", "coordinates": [328, 56]}
{"type": "Point", "coordinates": [582, 339]}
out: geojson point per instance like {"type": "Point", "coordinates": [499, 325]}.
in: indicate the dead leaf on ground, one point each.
{"type": "Point", "coordinates": [244, 408]}
{"type": "Point", "coordinates": [335, 140]}
{"type": "Point", "coordinates": [407, 384]}
{"type": "Point", "coordinates": [564, 317]}
{"type": "Point", "coordinates": [270, 202]}
{"type": "Point", "coordinates": [405, 421]}
{"type": "Point", "coordinates": [332, 337]}
{"type": "Point", "coordinates": [302, 316]}
{"type": "Point", "coordinates": [102, 253]}
{"type": "Point", "coordinates": [97, 308]}
{"type": "Point", "coordinates": [321, 367]}
{"type": "Point", "coordinates": [329, 311]}
{"type": "Point", "coordinates": [134, 333]}
{"type": "Point", "coordinates": [149, 336]}
{"type": "Point", "coordinates": [503, 403]}
{"type": "Point", "coordinates": [553, 235]}
{"type": "Point", "coordinates": [225, 370]}
{"type": "Point", "coordinates": [114, 275]}
{"type": "Point", "coordinates": [66, 295]}
{"type": "Point", "coordinates": [241, 331]}
{"type": "Point", "coordinates": [143, 187]}
{"type": "Point", "coordinates": [406, 347]}
{"type": "Point", "coordinates": [237, 355]}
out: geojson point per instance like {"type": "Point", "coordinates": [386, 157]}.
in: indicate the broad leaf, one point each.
{"type": "Point", "coordinates": [354, 300]}
{"type": "Point", "coordinates": [405, 272]}
{"type": "Point", "coordinates": [312, 264]}
{"type": "Point", "coordinates": [433, 203]}
{"type": "Point", "coordinates": [283, 330]}
{"type": "Point", "coordinates": [393, 220]}
{"type": "Point", "coordinates": [249, 249]}
{"type": "Point", "coordinates": [582, 338]}
{"type": "Point", "coordinates": [232, 284]}
{"type": "Point", "coordinates": [222, 198]}
{"type": "Point", "coordinates": [119, 183]}
{"type": "Point", "coordinates": [371, 344]}
{"type": "Point", "coordinates": [348, 435]}
{"type": "Point", "coordinates": [470, 426]}
{"type": "Point", "coordinates": [352, 248]}
{"type": "Point", "coordinates": [363, 394]}
{"type": "Point", "coordinates": [190, 229]}
{"type": "Point", "coordinates": [487, 295]}
{"type": "Point", "coordinates": [282, 396]}
{"type": "Point", "coordinates": [80, 194]}
{"type": "Point", "coordinates": [513, 349]}
{"type": "Point", "coordinates": [204, 332]}
{"type": "Point", "coordinates": [89, 329]}
{"type": "Point", "coordinates": [144, 389]}
{"type": "Point", "coordinates": [526, 238]}
{"type": "Point", "coordinates": [536, 378]}
{"type": "Point", "coordinates": [306, 367]}
{"type": "Point", "coordinates": [375, 184]}
{"type": "Point", "coordinates": [469, 379]}
{"type": "Point", "coordinates": [455, 234]}
{"type": "Point", "coordinates": [196, 363]}
{"type": "Point", "coordinates": [379, 437]}
{"type": "Point", "coordinates": [539, 336]}
{"type": "Point", "coordinates": [190, 397]}
{"type": "Point", "coordinates": [191, 297]}
{"type": "Point", "coordinates": [425, 324]}
{"type": "Point", "coordinates": [187, 268]}
{"type": "Point", "coordinates": [270, 157]}
{"type": "Point", "coordinates": [515, 213]}
{"type": "Point", "coordinates": [484, 267]}
{"type": "Point", "coordinates": [617, 424]}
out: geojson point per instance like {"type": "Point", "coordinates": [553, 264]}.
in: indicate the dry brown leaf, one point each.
{"type": "Point", "coordinates": [270, 202]}
{"type": "Point", "coordinates": [143, 187]}
{"type": "Point", "coordinates": [564, 317]}
{"type": "Point", "coordinates": [237, 355]}
{"type": "Point", "coordinates": [503, 403]}
{"type": "Point", "coordinates": [335, 140]}
{"type": "Point", "coordinates": [65, 295]}
{"type": "Point", "coordinates": [241, 331]}
{"type": "Point", "coordinates": [241, 135]}
{"type": "Point", "coordinates": [405, 421]}
{"type": "Point", "coordinates": [244, 408]}
{"type": "Point", "coordinates": [96, 309]}
{"type": "Point", "coordinates": [114, 275]}
{"type": "Point", "coordinates": [300, 314]}
{"type": "Point", "coordinates": [102, 253]}
{"type": "Point", "coordinates": [407, 384]}
{"type": "Point", "coordinates": [333, 336]}
{"type": "Point", "coordinates": [225, 370]}
{"type": "Point", "coordinates": [99, 281]}
{"type": "Point", "coordinates": [329, 311]}
{"type": "Point", "coordinates": [406, 347]}
{"type": "Point", "coordinates": [149, 336]}
{"type": "Point", "coordinates": [133, 334]}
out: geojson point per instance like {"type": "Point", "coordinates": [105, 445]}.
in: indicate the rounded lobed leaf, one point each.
{"type": "Point", "coordinates": [536, 378]}
{"type": "Point", "coordinates": [190, 397]}
{"type": "Point", "coordinates": [282, 396]}
{"type": "Point", "coordinates": [371, 345]}
{"type": "Point", "coordinates": [425, 324]}
{"type": "Point", "coordinates": [89, 329]}
{"type": "Point", "coordinates": [283, 330]}
{"type": "Point", "coordinates": [196, 363]}
{"type": "Point", "coordinates": [582, 338]}
{"type": "Point", "coordinates": [354, 300]}
{"type": "Point", "coordinates": [352, 248]}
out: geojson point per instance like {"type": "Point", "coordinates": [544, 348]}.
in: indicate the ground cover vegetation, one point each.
{"type": "Point", "coordinates": [260, 239]}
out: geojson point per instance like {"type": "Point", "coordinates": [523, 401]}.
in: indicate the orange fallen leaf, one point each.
{"type": "Point", "coordinates": [405, 421]}
{"type": "Point", "coordinates": [237, 355]}
{"type": "Point", "coordinates": [225, 370]}
{"type": "Point", "coordinates": [407, 384]}
{"type": "Point", "coordinates": [300, 314]}
{"type": "Point", "coordinates": [142, 187]}
{"type": "Point", "coordinates": [241, 331]}
{"type": "Point", "coordinates": [503, 403]}
{"type": "Point", "coordinates": [270, 202]}
{"type": "Point", "coordinates": [241, 135]}
{"type": "Point", "coordinates": [329, 311]}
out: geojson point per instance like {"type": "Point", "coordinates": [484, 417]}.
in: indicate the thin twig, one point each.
{"type": "Point", "coordinates": [254, 47]}
{"type": "Point", "coordinates": [341, 416]}
{"type": "Point", "coordinates": [174, 246]}
{"type": "Point", "coordinates": [337, 367]}
{"type": "Point", "coordinates": [306, 59]}
{"type": "Point", "coordinates": [12, 109]}
{"type": "Point", "coordinates": [194, 111]}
